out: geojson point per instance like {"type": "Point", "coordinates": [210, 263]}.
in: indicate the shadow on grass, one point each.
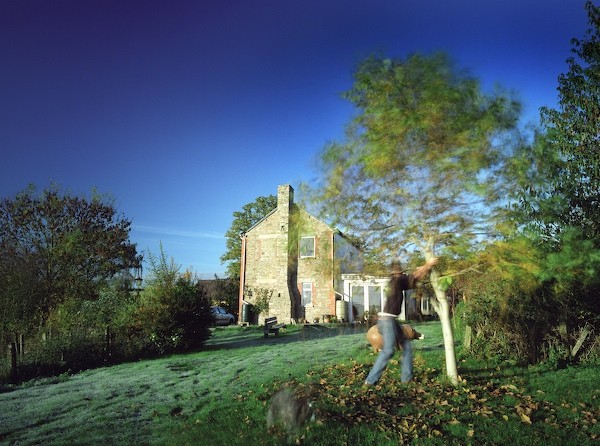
{"type": "Point", "coordinates": [432, 348]}
{"type": "Point", "coordinates": [255, 336]}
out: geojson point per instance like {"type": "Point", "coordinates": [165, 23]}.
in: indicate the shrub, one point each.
{"type": "Point", "coordinates": [502, 325]}
{"type": "Point", "coordinates": [261, 299]}
{"type": "Point", "coordinates": [172, 318]}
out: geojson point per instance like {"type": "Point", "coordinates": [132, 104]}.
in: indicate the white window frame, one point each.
{"type": "Point", "coordinates": [307, 290]}
{"type": "Point", "coordinates": [425, 305]}
{"type": "Point", "coordinates": [313, 254]}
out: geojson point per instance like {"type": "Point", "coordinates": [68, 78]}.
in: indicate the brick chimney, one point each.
{"type": "Point", "coordinates": [285, 199]}
{"type": "Point", "coordinates": [285, 196]}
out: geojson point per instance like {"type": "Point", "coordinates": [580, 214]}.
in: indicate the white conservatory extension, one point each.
{"type": "Point", "coordinates": [368, 293]}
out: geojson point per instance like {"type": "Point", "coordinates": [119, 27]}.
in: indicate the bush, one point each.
{"type": "Point", "coordinates": [559, 342]}
{"type": "Point", "coordinates": [592, 354]}
{"type": "Point", "coordinates": [172, 314]}
{"type": "Point", "coordinates": [172, 319]}
{"type": "Point", "coordinates": [502, 326]}
{"type": "Point", "coordinates": [119, 326]}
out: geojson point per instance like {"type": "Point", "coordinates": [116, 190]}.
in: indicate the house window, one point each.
{"type": "Point", "coordinates": [358, 300]}
{"type": "Point", "coordinates": [374, 296]}
{"type": "Point", "coordinates": [307, 293]}
{"type": "Point", "coordinates": [307, 246]}
{"type": "Point", "coordinates": [425, 309]}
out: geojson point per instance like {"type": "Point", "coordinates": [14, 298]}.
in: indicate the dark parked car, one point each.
{"type": "Point", "coordinates": [222, 317]}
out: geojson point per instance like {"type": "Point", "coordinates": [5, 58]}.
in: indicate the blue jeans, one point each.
{"type": "Point", "coordinates": [391, 333]}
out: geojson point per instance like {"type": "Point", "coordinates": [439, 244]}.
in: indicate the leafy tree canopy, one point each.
{"type": "Point", "coordinates": [560, 187]}
{"type": "Point", "coordinates": [568, 187]}
{"type": "Point", "coordinates": [57, 246]}
{"type": "Point", "coordinates": [422, 157]}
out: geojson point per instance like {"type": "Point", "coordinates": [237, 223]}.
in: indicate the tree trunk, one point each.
{"type": "Point", "coordinates": [442, 308]}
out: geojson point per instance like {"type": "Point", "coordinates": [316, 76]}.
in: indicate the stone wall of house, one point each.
{"type": "Point", "coordinates": [274, 265]}
{"type": "Point", "coordinates": [318, 270]}
{"type": "Point", "coordinates": [267, 258]}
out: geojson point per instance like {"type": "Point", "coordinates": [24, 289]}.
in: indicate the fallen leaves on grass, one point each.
{"type": "Point", "coordinates": [525, 418]}
{"type": "Point", "coordinates": [426, 407]}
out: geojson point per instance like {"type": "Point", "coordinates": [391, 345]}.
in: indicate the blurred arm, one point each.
{"type": "Point", "coordinates": [422, 270]}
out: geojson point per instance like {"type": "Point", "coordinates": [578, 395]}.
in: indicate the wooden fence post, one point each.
{"type": "Point", "coordinates": [12, 359]}
{"type": "Point", "coordinates": [468, 337]}
{"type": "Point", "coordinates": [108, 342]}
{"type": "Point", "coordinates": [582, 337]}
{"type": "Point", "coordinates": [21, 346]}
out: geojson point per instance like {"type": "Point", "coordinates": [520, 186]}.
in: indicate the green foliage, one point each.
{"type": "Point", "coordinates": [82, 334]}
{"type": "Point", "coordinates": [171, 315]}
{"type": "Point", "coordinates": [445, 282]}
{"type": "Point", "coordinates": [174, 312]}
{"type": "Point", "coordinates": [56, 247]}
{"type": "Point", "coordinates": [503, 305]}
{"type": "Point", "coordinates": [499, 331]}
{"type": "Point", "coordinates": [557, 348]}
{"type": "Point", "coordinates": [243, 220]}
{"type": "Point", "coordinates": [224, 292]}
{"type": "Point", "coordinates": [559, 199]}
{"type": "Point", "coordinates": [261, 297]}
{"type": "Point", "coordinates": [420, 165]}
{"type": "Point", "coordinates": [572, 133]}
{"type": "Point", "coordinates": [574, 258]}
{"type": "Point", "coordinates": [522, 294]}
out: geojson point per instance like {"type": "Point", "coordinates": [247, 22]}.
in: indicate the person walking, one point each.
{"type": "Point", "coordinates": [387, 322]}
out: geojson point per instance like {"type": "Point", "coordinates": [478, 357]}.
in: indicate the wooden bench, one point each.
{"type": "Point", "coordinates": [271, 326]}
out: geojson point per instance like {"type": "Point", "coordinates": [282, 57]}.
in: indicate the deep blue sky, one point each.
{"type": "Point", "coordinates": [184, 111]}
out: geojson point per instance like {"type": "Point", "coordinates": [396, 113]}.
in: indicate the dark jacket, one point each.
{"type": "Point", "coordinates": [398, 284]}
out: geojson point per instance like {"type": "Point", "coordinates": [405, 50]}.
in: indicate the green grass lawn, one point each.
{"type": "Point", "coordinates": [219, 396]}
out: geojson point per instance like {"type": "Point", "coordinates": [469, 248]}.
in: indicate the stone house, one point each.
{"type": "Point", "coordinates": [295, 261]}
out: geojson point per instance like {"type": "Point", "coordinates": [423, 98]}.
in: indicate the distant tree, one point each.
{"type": "Point", "coordinates": [420, 165]}
{"type": "Point", "coordinates": [243, 220]}
{"type": "Point", "coordinates": [56, 246]}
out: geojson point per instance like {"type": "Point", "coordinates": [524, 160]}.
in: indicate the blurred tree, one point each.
{"type": "Point", "coordinates": [243, 220]}
{"type": "Point", "coordinates": [55, 247]}
{"type": "Point", "coordinates": [421, 164]}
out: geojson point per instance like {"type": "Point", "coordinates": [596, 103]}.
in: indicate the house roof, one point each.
{"type": "Point", "coordinates": [334, 230]}
{"type": "Point", "coordinates": [260, 221]}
